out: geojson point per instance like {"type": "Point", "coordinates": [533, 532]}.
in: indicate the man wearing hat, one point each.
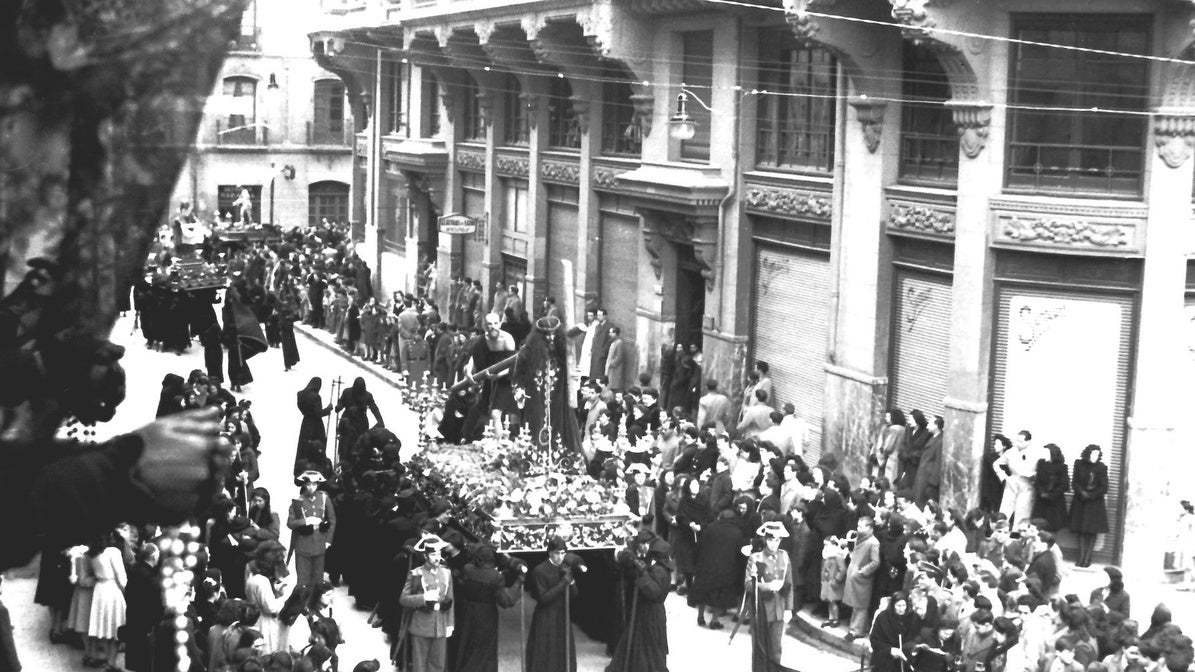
{"type": "Point", "coordinates": [429, 598]}
{"type": "Point", "coordinates": [769, 586]}
{"type": "Point", "coordinates": [312, 521]}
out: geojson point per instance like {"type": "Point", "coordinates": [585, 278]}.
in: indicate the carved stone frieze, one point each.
{"type": "Point", "coordinates": [1174, 136]}
{"type": "Point", "coordinates": [531, 25]}
{"type": "Point", "coordinates": [973, 120]}
{"type": "Point", "coordinates": [804, 26]}
{"type": "Point", "coordinates": [788, 202]}
{"type": "Point", "coordinates": [597, 24]}
{"type": "Point", "coordinates": [605, 178]}
{"type": "Point", "coordinates": [514, 166]}
{"type": "Point", "coordinates": [555, 171]}
{"type": "Point", "coordinates": [914, 16]}
{"type": "Point", "coordinates": [484, 31]}
{"type": "Point", "coordinates": [470, 161]}
{"type": "Point", "coordinates": [920, 218]}
{"type": "Point", "coordinates": [1064, 232]}
{"type": "Point", "coordinates": [871, 120]}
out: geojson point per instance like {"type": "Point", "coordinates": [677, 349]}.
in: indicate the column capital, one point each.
{"type": "Point", "coordinates": [1174, 134]}
{"type": "Point", "coordinates": [871, 119]}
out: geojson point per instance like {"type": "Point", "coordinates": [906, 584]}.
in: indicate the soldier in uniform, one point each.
{"type": "Point", "coordinates": [769, 591]}
{"type": "Point", "coordinates": [428, 598]}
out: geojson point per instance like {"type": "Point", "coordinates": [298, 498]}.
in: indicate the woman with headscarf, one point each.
{"type": "Point", "coordinates": [353, 405]}
{"type": "Point", "coordinates": [693, 513]}
{"type": "Point", "coordinates": [261, 516]}
{"type": "Point", "coordinates": [170, 400]}
{"type": "Point", "coordinates": [893, 631]}
{"type": "Point", "coordinates": [827, 518]}
{"type": "Point", "coordinates": [481, 590]}
{"type": "Point", "coordinates": [312, 435]}
{"type": "Point", "coordinates": [1051, 482]}
{"type": "Point", "coordinates": [1089, 517]}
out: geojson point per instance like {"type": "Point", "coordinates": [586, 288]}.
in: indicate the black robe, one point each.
{"type": "Point", "coordinates": [144, 600]}
{"type": "Point", "coordinates": [646, 650]}
{"type": "Point", "coordinates": [549, 625]}
{"type": "Point", "coordinates": [718, 580]}
{"type": "Point", "coordinates": [286, 332]}
{"type": "Point", "coordinates": [312, 428]}
{"type": "Point", "coordinates": [891, 631]}
{"type": "Point", "coordinates": [479, 594]}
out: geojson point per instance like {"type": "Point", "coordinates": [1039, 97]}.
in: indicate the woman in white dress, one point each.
{"type": "Point", "coordinates": [107, 601]}
{"type": "Point", "coordinates": [264, 590]}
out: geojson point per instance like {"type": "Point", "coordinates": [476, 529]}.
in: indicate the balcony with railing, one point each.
{"type": "Point", "coordinates": [247, 134]}
{"type": "Point", "coordinates": [330, 135]}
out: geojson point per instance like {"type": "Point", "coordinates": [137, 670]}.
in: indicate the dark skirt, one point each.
{"type": "Point", "coordinates": [1088, 516]}
{"type": "Point", "coordinates": [54, 589]}
{"type": "Point", "coordinates": [290, 349]}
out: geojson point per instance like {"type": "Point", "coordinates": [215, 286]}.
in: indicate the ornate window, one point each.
{"type": "Point", "coordinates": [564, 132]}
{"type": "Point", "coordinates": [928, 137]}
{"type": "Point", "coordinates": [472, 121]}
{"type": "Point", "coordinates": [621, 135]}
{"type": "Point", "coordinates": [327, 200]}
{"type": "Point", "coordinates": [697, 74]}
{"type": "Point", "coordinates": [795, 123]}
{"type": "Point", "coordinates": [327, 126]}
{"type": "Point", "coordinates": [240, 127]}
{"type": "Point", "coordinates": [1094, 152]}
{"type": "Point", "coordinates": [518, 127]}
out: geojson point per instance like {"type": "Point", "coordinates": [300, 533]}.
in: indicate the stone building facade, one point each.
{"type": "Point", "coordinates": [978, 209]}
{"type": "Point", "coordinates": [276, 123]}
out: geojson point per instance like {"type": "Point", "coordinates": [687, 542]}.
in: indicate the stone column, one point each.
{"type": "Point", "coordinates": [537, 199]}
{"type": "Point", "coordinates": [588, 257]}
{"type": "Point", "coordinates": [966, 404]}
{"type": "Point", "coordinates": [1158, 459]}
{"type": "Point", "coordinates": [855, 369]}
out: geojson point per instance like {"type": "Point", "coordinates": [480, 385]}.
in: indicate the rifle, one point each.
{"type": "Point", "coordinates": [738, 621]}
{"type": "Point", "coordinates": [486, 373]}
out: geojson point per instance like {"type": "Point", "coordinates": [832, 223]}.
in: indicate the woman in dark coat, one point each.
{"type": "Point", "coordinates": [143, 596]}
{"type": "Point", "coordinates": [644, 647]}
{"type": "Point", "coordinates": [680, 392]}
{"type": "Point", "coordinates": [480, 591]}
{"type": "Point", "coordinates": [287, 316]}
{"type": "Point", "coordinates": [549, 626]}
{"type": "Point", "coordinates": [693, 513]}
{"type": "Point", "coordinates": [311, 431]}
{"type": "Point", "coordinates": [54, 589]}
{"type": "Point", "coordinates": [353, 405]}
{"type": "Point", "coordinates": [1051, 483]}
{"type": "Point", "coordinates": [890, 577]}
{"type": "Point", "coordinates": [827, 518]}
{"type": "Point", "coordinates": [716, 583]}
{"type": "Point", "coordinates": [1089, 517]}
{"type": "Point", "coordinates": [893, 628]}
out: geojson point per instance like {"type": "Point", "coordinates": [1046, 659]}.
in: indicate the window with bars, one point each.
{"type": "Point", "coordinates": [697, 74]}
{"type": "Point", "coordinates": [795, 122]}
{"type": "Point", "coordinates": [393, 95]}
{"type": "Point", "coordinates": [563, 130]}
{"type": "Point", "coordinates": [473, 124]}
{"type": "Point", "coordinates": [514, 210]}
{"type": "Point", "coordinates": [928, 137]}
{"type": "Point", "coordinates": [241, 128]}
{"type": "Point", "coordinates": [517, 130]}
{"type": "Point", "coordinates": [327, 126]}
{"type": "Point", "coordinates": [431, 105]}
{"type": "Point", "coordinates": [1078, 152]}
{"type": "Point", "coordinates": [621, 135]}
{"type": "Point", "coordinates": [327, 200]}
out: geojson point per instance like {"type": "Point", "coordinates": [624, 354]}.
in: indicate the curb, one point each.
{"type": "Point", "coordinates": [324, 340]}
{"type": "Point", "coordinates": [804, 628]}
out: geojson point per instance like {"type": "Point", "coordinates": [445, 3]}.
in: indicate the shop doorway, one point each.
{"type": "Point", "coordinates": [690, 297]}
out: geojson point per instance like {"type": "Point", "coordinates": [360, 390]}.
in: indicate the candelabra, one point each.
{"type": "Point", "coordinates": [545, 382]}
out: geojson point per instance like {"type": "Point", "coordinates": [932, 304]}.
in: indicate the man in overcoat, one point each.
{"type": "Point", "coordinates": [860, 577]}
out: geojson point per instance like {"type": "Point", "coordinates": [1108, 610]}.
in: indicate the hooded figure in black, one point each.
{"type": "Point", "coordinates": [481, 590]}
{"type": "Point", "coordinates": [313, 438]}
{"type": "Point", "coordinates": [173, 391]}
{"type": "Point", "coordinates": [353, 405]}
{"type": "Point", "coordinates": [644, 643]}
{"type": "Point", "coordinates": [892, 629]}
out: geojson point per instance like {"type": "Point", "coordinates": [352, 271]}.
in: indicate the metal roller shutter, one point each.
{"type": "Point", "coordinates": [920, 342]}
{"type": "Point", "coordinates": [1069, 404]}
{"type": "Point", "coordinates": [474, 244]}
{"type": "Point", "coordinates": [562, 244]}
{"type": "Point", "coordinates": [790, 329]}
{"type": "Point", "coordinates": [620, 270]}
